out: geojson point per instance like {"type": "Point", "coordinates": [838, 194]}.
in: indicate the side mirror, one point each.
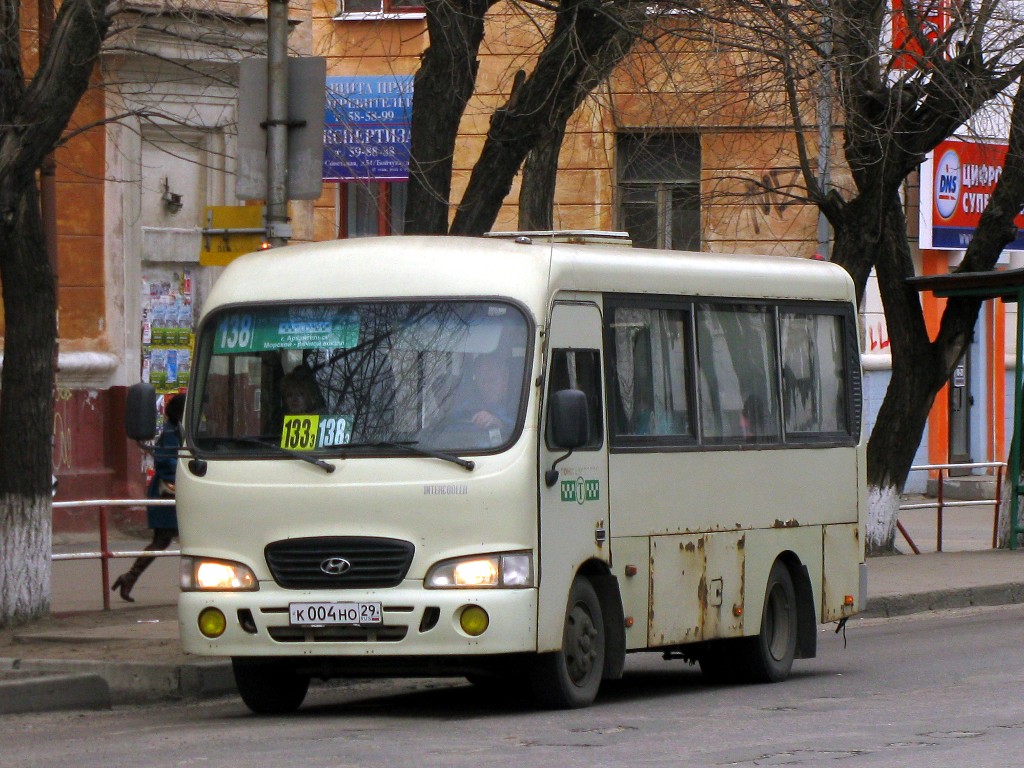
{"type": "Point", "coordinates": [570, 422]}
{"type": "Point", "coordinates": [140, 412]}
{"type": "Point", "coordinates": [569, 425]}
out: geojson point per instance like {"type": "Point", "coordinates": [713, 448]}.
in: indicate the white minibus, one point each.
{"type": "Point", "coordinates": [518, 460]}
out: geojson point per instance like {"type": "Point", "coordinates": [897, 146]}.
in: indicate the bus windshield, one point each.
{"type": "Point", "coordinates": [374, 377]}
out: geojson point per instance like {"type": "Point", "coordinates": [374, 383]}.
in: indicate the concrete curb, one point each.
{"type": "Point", "coordinates": [46, 693]}
{"type": "Point", "coordinates": [40, 685]}
{"type": "Point", "coordinates": [943, 599]}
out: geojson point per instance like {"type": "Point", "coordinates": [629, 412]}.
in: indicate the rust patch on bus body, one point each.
{"type": "Point", "coordinates": [702, 603]}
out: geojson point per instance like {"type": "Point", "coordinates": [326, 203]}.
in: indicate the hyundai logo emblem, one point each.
{"type": "Point", "coordinates": [335, 566]}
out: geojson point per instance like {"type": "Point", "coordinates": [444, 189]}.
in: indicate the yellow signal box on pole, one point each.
{"type": "Point", "coordinates": [230, 231]}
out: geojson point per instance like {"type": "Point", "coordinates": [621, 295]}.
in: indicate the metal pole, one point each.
{"type": "Point", "coordinates": [999, 503]}
{"type": "Point", "coordinates": [278, 230]}
{"type": "Point", "coordinates": [1014, 465]}
{"type": "Point", "coordinates": [104, 559]}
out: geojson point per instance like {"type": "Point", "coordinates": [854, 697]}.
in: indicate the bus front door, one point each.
{"type": "Point", "coordinates": [574, 522]}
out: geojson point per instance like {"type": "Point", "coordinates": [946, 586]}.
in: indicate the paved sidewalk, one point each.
{"type": "Point", "coordinates": [84, 657]}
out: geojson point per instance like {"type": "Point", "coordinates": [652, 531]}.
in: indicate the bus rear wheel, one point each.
{"type": "Point", "coordinates": [269, 687]}
{"type": "Point", "coordinates": [768, 656]}
{"type": "Point", "coordinates": [569, 678]}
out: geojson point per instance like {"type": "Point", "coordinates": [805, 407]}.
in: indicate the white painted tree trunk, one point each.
{"type": "Point", "coordinates": [26, 542]}
{"type": "Point", "coordinates": [1003, 523]}
{"type": "Point", "coordinates": [883, 512]}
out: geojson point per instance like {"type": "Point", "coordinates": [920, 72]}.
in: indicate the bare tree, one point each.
{"type": "Point", "coordinates": [890, 117]}
{"type": "Point", "coordinates": [33, 116]}
{"type": "Point", "coordinates": [443, 85]}
{"type": "Point", "coordinates": [584, 41]}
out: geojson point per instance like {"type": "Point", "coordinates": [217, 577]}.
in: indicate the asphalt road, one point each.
{"type": "Point", "coordinates": [928, 690]}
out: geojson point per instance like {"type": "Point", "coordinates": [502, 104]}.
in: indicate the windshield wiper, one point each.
{"type": "Point", "coordinates": [325, 466]}
{"type": "Point", "coordinates": [414, 448]}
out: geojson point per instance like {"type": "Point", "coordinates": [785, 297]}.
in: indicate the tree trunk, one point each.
{"type": "Point", "coordinates": [537, 190]}
{"type": "Point", "coordinates": [917, 375]}
{"type": "Point", "coordinates": [442, 86]}
{"type": "Point", "coordinates": [33, 115]}
{"type": "Point", "coordinates": [25, 528]}
{"type": "Point", "coordinates": [26, 412]}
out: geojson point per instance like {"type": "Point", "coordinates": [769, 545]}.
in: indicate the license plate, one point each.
{"type": "Point", "coordinates": [322, 614]}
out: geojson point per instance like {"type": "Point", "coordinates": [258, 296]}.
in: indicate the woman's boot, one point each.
{"type": "Point", "coordinates": [124, 583]}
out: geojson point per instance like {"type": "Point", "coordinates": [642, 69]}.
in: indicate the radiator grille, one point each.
{"type": "Point", "coordinates": [339, 562]}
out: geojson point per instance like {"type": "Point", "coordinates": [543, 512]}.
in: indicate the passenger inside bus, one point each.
{"type": "Point", "coordinates": [300, 392]}
{"type": "Point", "coordinates": [753, 419]}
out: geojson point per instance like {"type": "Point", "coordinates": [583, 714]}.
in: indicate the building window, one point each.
{"type": "Point", "coordinates": [380, 8]}
{"type": "Point", "coordinates": [370, 208]}
{"type": "Point", "coordinates": [659, 189]}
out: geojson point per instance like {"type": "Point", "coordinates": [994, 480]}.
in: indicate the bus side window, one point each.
{"type": "Point", "coordinates": [579, 369]}
{"type": "Point", "coordinates": [738, 373]}
{"type": "Point", "coordinates": [649, 351]}
{"type": "Point", "coordinates": [813, 374]}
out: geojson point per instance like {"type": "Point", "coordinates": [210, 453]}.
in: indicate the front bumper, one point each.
{"type": "Point", "coordinates": [417, 622]}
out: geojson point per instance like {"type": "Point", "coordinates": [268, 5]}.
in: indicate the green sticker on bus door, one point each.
{"type": "Point", "coordinates": [580, 490]}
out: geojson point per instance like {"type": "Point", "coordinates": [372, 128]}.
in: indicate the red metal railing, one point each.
{"type": "Point", "coordinates": [941, 504]}
{"type": "Point", "coordinates": [104, 554]}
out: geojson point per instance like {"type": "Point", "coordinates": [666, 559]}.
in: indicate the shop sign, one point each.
{"type": "Point", "coordinates": [957, 181]}
{"type": "Point", "coordinates": [368, 128]}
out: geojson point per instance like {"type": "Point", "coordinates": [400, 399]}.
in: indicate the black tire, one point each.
{"type": "Point", "coordinates": [570, 678]}
{"type": "Point", "coordinates": [269, 687]}
{"type": "Point", "coordinates": [768, 656]}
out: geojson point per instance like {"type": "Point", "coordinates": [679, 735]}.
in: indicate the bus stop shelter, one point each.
{"type": "Point", "coordinates": [1007, 285]}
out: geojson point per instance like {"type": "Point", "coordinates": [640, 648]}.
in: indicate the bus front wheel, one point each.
{"type": "Point", "coordinates": [569, 678]}
{"type": "Point", "coordinates": [769, 655]}
{"type": "Point", "coordinates": [269, 687]}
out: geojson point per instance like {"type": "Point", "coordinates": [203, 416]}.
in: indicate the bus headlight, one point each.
{"type": "Point", "coordinates": [508, 570]}
{"type": "Point", "coordinates": [203, 574]}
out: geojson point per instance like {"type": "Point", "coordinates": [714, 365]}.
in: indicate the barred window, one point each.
{"type": "Point", "coordinates": [659, 189]}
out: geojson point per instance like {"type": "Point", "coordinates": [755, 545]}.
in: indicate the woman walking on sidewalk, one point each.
{"type": "Point", "coordinates": [162, 519]}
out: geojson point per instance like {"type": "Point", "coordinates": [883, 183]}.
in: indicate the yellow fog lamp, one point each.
{"type": "Point", "coordinates": [212, 622]}
{"type": "Point", "coordinates": [474, 620]}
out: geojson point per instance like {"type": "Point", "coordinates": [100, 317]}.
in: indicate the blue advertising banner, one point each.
{"type": "Point", "coordinates": [367, 128]}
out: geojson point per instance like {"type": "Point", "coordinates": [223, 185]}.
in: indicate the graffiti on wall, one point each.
{"type": "Point", "coordinates": [878, 337]}
{"type": "Point", "coordinates": [62, 439]}
{"type": "Point", "coordinates": [766, 200]}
